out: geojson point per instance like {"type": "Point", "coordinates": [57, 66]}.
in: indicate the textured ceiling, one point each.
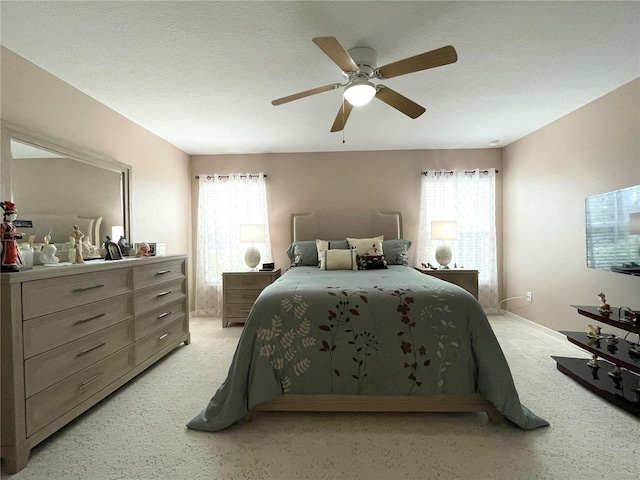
{"type": "Point", "coordinates": [202, 74]}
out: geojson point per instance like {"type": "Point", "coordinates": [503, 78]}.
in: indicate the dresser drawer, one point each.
{"type": "Point", "coordinates": [50, 331]}
{"type": "Point", "coordinates": [48, 368]}
{"type": "Point", "coordinates": [158, 318]}
{"type": "Point", "coordinates": [158, 296]}
{"type": "Point", "coordinates": [49, 404]}
{"type": "Point", "coordinates": [41, 297]}
{"type": "Point", "coordinates": [237, 310]}
{"type": "Point", "coordinates": [157, 273]}
{"type": "Point", "coordinates": [160, 339]}
{"type": "Point", "coordinates": [243, 281]}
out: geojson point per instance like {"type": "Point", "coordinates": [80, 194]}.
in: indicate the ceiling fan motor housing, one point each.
{"type": "Point", "coordinates": [366, 59]}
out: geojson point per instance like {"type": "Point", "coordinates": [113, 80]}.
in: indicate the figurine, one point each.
{"type": "Point", "coordinates": [89, 251]}
{"type": "Point", "coordinates": [604, 307]}
{"type": "Point", "coordinates": [75, 252]}
{"type": "Point", "coordinates": [616, 372]}
{"type": "Point", "coordinates": [48, 253]}
{"type": "Point", "coordinates": [593, 363]}
{"type": "Point", "coordinates": [594, 332]}
{"type": "Point", "coordinates": [11, 259]}
{"type": "Point", "coordinates": [143, 250]}
{"type": "Point", "coordinates": [612, 339]}
{"type": "Point", "coordinates": [124, 246]}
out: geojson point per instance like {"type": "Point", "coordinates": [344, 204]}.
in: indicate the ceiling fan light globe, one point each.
{"type": "Point", "coordinates": [359, 93]}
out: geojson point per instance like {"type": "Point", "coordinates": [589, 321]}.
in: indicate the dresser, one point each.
{"type": "Point", "coordinates": [240, 290]}
{"type": "Point", "coordinates": [71, 335]}
{"type": "Point", "coordinates": [465, 278]}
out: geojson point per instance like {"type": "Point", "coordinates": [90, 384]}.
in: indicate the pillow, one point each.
{"type": "Point", "coordinates": [396, 252]}
{"type": "Point", "coordinates": [372, 262]}
{"type": "Point", "coordinates": [367, 246]}
{"type": "Point", "coordinates": [338, 260]}
{"type": "Point", "coordinates": [322, 245]}
{"type": "Point", "coordinates": [303, 253]}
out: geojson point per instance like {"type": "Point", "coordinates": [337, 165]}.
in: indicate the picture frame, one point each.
{"type": "Point", "coordinates": [152, 248]}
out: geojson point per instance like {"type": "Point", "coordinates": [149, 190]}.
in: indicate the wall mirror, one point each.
{"type": "Point", "coordinates": [55, 186]}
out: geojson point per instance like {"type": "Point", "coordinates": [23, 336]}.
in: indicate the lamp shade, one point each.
{"type": "Point", "coordinates": [359, 93]}
{"type": "Point", "coordinates": [444, 230]}
{"type": "Point", "coordinates": [251, 233]}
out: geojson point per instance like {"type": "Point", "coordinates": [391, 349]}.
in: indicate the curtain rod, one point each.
{"type": "Point", "coordinates": [450, 172]}
{"type": "Point", "coordinates": [220, 177]}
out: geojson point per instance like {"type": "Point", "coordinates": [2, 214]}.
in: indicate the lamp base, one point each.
{"type": "Point", "coordinates": [443, 255]}
{"type": "Point", "coordinates": [252, 257]}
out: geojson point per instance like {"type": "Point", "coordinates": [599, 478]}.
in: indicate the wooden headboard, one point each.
{"type": "Point", "coordinates": [339, 224]}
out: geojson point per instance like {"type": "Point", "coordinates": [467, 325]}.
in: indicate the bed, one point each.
{"type": "Point", "coordinates": [368, 340]}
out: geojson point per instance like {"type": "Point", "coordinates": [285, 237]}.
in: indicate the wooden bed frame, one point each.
{"type": "Point", "coordinates": [364, 224]}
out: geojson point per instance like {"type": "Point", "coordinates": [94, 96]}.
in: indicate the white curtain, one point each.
{"type": "Point", "coordinates": [224, 203]}
{"type": "Point", "coordinates": [467, 197]}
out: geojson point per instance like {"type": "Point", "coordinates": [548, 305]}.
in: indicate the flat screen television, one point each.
{"type": "Point", "coordinates": [613, 231]}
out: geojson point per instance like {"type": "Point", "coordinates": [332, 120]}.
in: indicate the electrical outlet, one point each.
{"type": "Point", "coordinates": [529, 297]}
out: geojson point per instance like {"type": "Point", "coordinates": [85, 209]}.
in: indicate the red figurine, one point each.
{"type": "Point", "coordinates": [11, 259]}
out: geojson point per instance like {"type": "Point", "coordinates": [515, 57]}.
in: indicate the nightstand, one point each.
{"type": "Point", "coordinates": [240, 290]}
{"type": "Point", "coordinates": [467, 279]}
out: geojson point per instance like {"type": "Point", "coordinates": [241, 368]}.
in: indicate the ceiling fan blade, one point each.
{"type": "Point", "coordinates": [342, 117]}
{"type": "Point", "coordinates": [306, 93]}
{"type": "Point", "coordinates": [434, 58]}
{"type": "Point", "coordinates": [332, 48]}
{"type": "Point", "coordinates": [399, 102]}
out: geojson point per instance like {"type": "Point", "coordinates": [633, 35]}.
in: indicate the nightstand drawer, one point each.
{"type": "Point", "coordinates": [241, 296]}
{"type": "Point", "coordinates": [237, 310]}
{"type": "Point", "coordinates": [243, 281]}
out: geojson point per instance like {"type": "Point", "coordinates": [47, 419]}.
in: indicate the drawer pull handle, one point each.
{"type": "Point", "coordinates": [91, 349]}
{"type": "Point", "coordinates": [90, 381]}
{"type": "Point", "coordinates": [162, 294]}
{"type": "Point", "coordinates": [162, 315]}
{"type": "Point", "coordinates": [162, 272]}
{"type": "Point", "coordinates": [84, 289]}
{"type": "Point", "coordinates": [89, 319]}
{"type": "Point", "coordinates": [162, 337]}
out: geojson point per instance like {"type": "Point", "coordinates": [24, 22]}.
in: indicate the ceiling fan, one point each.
{"type": "Point", "coordinates": [358, 66]}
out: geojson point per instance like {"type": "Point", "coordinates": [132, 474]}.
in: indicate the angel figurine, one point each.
{"type": "Point", "coordinates": [48, 253]}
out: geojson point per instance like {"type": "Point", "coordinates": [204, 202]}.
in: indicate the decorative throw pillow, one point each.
{"type": "Point", "coordinates": [396, 252]}
{"type": "Point", "coordinates": [367, 246]}
{"type": "Point", "coordinates": [322, 245]}
{"type": "Point", "coordinates": [303, 254]}
{"type": "Point", "coordinates": [338, 260]}
{"type": "Point", "coordinates": [371, 262]}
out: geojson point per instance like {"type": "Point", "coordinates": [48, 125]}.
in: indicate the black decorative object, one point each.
{"type": "Point", "coordinates": [113, 251]}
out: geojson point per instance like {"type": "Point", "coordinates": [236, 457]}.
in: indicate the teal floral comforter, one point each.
{"type": "Point", "coordinates": [369, 332]}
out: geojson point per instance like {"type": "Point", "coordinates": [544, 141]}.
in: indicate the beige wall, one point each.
{"type": "Point", "coordinates": [161, 205]}
{"type": "Point", "coordinates": [547, 176]}
{"type": "Point", "coordinates": [305, 182]}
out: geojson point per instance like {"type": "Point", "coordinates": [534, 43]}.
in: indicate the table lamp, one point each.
{"type": "Point", "coordinates": [444, 230]}
{"type": "Point", "coordinates": [252, 233]}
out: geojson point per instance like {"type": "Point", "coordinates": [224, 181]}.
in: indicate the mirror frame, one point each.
{"type": "Point", "coordinates": [11, 131]}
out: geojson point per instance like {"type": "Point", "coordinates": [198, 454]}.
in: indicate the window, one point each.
{"type": "Point", "coordinates": [225, 202]}
{"type": "Point", "coordinates": [467, 197]}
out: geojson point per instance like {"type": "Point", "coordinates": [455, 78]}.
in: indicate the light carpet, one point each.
{"type": "Point", "coordinates": [139, 431]}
